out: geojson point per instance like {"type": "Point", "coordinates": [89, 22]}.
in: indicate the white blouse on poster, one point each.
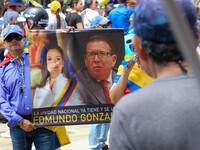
{"type": "Point", "coordinates": [45, 97]}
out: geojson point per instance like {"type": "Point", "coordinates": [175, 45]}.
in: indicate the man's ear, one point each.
{"type": "Point", "coordinates": [2, 42]}
{"type": "Point", "coordinates": [142, 52]}
{"type": "Point", "coordinates": [114, 59]}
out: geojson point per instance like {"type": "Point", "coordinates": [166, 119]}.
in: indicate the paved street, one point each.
{"type": "Point", "coordinates": [78, 135]}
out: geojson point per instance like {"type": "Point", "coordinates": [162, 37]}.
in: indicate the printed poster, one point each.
{"type": "Point", "coordinates": [67, 75]}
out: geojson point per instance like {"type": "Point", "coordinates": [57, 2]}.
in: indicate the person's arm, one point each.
{"type": "Point", "coordinates": [79, 25]}
{"type": "Point", "coordinates": [69, 28]}
{"type": "Point", "coordinates": [79, 22]}
{"type": "Point", "coordinates": [10, 98]}
{"type": "Point", "coordinates": [196, 3]}
{"type": "Point", "coordinates": [6, 109]}
{"type": "Point", "coordinates": [118, 90]}
{"type": "Point", "coordinates": [13, 118]}
{"type": "Point", "coordinates": [100, 9]}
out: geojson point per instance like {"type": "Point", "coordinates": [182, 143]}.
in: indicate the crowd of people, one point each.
{"type": "Point", "coordinates": [159, 112]}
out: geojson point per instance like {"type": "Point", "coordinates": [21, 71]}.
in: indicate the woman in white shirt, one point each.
{"type": "Point", "coordinates": [55, 83]}
{"type": "Point", "coordinates": [89, 13]}
{"type": "Point", "coordinates": [55, 20]}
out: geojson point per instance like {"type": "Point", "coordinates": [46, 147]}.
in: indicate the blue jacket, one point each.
{"type": "Point", "coordinates": [120, 17]}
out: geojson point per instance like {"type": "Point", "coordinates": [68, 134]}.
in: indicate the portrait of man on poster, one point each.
{"type": "Point", "coordinates": [98, 74]}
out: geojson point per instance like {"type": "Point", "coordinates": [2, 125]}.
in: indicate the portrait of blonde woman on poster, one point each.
{"type": "Point", "coordinates": [55, 88]}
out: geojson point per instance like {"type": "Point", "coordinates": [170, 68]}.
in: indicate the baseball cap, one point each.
{"type": "Point", "coordinates": [151, 23]}
{"type": "Point", "coordinates": [16, 3]}
{"type": "Point", "coordinates": [99, 20]}
{"type": "Point", "coordinates": [11, 29]}
{"type": "Point", "coordinates": [55, 5]}
{"type": "Point", "coordinates": [10, 14]}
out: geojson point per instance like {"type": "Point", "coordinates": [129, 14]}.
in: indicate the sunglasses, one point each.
{"type": "Point", "coordinates": [10, 37]}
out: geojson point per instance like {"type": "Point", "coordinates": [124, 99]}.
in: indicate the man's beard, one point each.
{"type": "Point", "coordinates": [17, 51]}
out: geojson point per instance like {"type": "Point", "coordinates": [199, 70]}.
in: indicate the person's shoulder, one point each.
{"type": "Point", "coordinates": [6, 68]}
{"type": "Point", "coordinates": [112, 11]}
{"type": "Point", "coordinates": [82, 71]}
{"type": "Point", "coordinates": [91, 12]}
{"type": "Point", "coordinates": [84, 74]}
{"type": "Point", "coordinates": [79, 17]}
{"type": "Point", "coordinates": [74, 14]}
{"type": "Point", "coordinates": [131, 11]}
{"type": "Point", "coordinates": [62, 15]}
{"type": "Point", "coordinates": [61, 78]}
{"type": "Point", "coordinates": [83, 13]}
{"type": "Point", "coordinates": [48, 10]}
{"type": "Point", "coordinates": [136, 99]}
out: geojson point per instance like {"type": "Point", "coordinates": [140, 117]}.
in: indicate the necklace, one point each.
{"type": "Point", "coordinates": [22, 74]}
{"type": "Point", "coordinates": [16, 57]}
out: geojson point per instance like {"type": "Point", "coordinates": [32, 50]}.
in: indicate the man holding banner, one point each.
{"type": "Point", "coordinates": [15, 98]}
{"type": "Point", "coordinates": [99, 58]}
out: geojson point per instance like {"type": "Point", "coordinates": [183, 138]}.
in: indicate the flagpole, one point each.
{"type": "Point", "coordinates": [183, 35]}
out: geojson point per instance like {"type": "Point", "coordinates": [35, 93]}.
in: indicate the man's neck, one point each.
{"type": "Point", "coordinates": [171, 69]}
{"type": "Point", "coordinates": [16, 56]}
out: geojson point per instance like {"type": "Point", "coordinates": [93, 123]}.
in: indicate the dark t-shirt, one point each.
{"type": "Point", "coordinates": [72, 19]}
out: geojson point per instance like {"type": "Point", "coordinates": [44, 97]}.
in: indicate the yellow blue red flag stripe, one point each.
{"type": "Point", "coordinates": [137, 79]}
{"type": "Point", "coordinates": [62, 137]}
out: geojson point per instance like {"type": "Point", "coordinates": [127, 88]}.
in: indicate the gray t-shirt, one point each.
{"type": "Point", "coordinates": [165, 115]}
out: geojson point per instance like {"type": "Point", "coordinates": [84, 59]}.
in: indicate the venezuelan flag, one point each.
{"type": "Point", "coordinates": [62, 137]}
{"type": "Point", "coordinates": [137, 79]}
{"type": "Point", "coordinates": [32, 3]}
{"type": "Point", "coordinates": [65, 94]}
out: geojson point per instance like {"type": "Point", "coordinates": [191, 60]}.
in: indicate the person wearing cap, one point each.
{"type": "Point", "coordinates": [164, 115]}
{"type": "Point", "coordinates": [16, 5]}
{"type": "Point", "coordinates": [100, 22]}
{"type": "Point", "coordinates": [120, 16]}
{"type": "Point", "coordinates": [15, 97]}
{"type": "Point", "coordinates": [55, 19]}
{"type": "Point", "coordinates": [9, 15]}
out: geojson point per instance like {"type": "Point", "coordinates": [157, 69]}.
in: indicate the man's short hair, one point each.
{"type": "Point", "coordinates": [162, 53]}
{"type": "Point", "coordinates": [101, 38]}
{"type": "Point", "coordinates": [154, 32]}
{"type": "Point", "coordinates": [151, 22]}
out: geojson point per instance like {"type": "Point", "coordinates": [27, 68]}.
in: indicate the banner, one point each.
{"type": "Point", "coordinates": [66, 74]}
{"type": "Point", "coordinates": [72, 115]}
